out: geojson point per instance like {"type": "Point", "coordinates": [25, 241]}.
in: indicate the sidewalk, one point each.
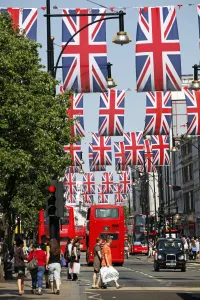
{"type": "Point", "coordinates": [68, 291]}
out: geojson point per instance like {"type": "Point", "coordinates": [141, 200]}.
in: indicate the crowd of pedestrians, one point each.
{"type": "Point", "coordinates": [192, 247]}
{"type": "Point", "coordinates": [42, 260]}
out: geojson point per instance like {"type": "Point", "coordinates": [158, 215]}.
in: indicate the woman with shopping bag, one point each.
{"type": "Point", "coordinates": [75, 260]}
{"type": "Point", "coordinates": [108, 273]}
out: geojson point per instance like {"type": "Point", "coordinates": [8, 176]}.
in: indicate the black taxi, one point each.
{"type": "Point", "coordinates": [169, 254]}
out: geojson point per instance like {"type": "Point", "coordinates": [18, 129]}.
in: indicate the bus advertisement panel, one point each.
{"type": "Point", "coordinates": [67, 227]}
{"type": "Point", "coordinates": [80, 231]}
{"type": "Point", "coordinates": [102, 221]}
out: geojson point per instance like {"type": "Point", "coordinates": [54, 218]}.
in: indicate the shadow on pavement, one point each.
{"type": "Point", "coordinates": [188, 296]}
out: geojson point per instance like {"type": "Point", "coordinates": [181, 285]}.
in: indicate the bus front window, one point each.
{"type": "Point", "coordinates": [139, 239]}
{"type": "Point", "coordinates": [112, 213]}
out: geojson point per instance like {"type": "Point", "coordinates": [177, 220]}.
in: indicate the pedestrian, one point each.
{"type": "Point", "coordinates": [107, 257]}
{"type": "Point", "coordinates": [19, 264]}
{"type": "Point", "coordinates": [38, 273]}
{"type": "Point", "coordinates": [186, 247]}
{"type": "Point", "coordinates": [75, 254]}
{"type": "Point", "coordinates": [150, 254]}
{"type": "Point", "coordinates": [67, 258]}
{"type": "Point", "coordinates": [197, 245]}
{"type": "Point", "coordinates": [7, 260]}
{"type": "Point", "coordinates": [194, 249]}
{"type": "Point", "coordinates": [97, 264]}
{"type": "Point", "coordinates": [45, 246]}
{"type": "Point", "coordinates": [70, 259]}
{"type": "Point", "coordinates": [53, 265]}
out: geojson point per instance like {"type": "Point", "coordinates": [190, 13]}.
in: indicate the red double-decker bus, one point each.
{"type": "Point", "coordinates": [67, 227]}
{"type": "Point", "coordinates": [139, 234]}
{"type": "Point", "coordinates": [80, 231]}
{"type": "Point", "coordinates": [104, 220]}
{"type": "Point", "coordinates": [125, 233]}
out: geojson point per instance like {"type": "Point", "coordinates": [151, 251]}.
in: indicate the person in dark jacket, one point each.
{"type": "Point", "coordinates": [19, 263]}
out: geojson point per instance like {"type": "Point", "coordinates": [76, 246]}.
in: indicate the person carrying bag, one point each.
{"type": "Point", "coordinates": [36, 266]}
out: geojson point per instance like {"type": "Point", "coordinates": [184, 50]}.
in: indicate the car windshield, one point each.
{"type": "Point", "coordinates": [170, 245]}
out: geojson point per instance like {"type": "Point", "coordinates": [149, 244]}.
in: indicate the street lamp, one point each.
{"type": "Point", "coordinates": [118, 169]}
{"type": "Point", "coordinates": [195, 84]}
{"type": "Point", "coordinates": [110, 81]}
{"type": "Point", "coordinates": [121, 37]}
{"type": "Point", "coordinates": [82, 161]}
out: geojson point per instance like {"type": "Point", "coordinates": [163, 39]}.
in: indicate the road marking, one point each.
{"type": "Point", "coordinates": [93, 296]}
{"type": "Point", "coordinates": [166, 288]}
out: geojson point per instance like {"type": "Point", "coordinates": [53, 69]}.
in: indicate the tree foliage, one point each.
{"type": "Point", "coordinates": [33, 125]}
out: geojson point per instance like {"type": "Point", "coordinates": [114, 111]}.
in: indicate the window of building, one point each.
{"type": "Point", "coordinates": [186, 149]}
{"type": "Point", "coordinates": [187, 173]}
{"type": "Point", "coordinates": [189, 201]}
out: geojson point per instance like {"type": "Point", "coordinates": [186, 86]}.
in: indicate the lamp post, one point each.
{"type": "Point", "coordinates": [195, 85]}
{"type": "Point", "coordinates": [121, 37]}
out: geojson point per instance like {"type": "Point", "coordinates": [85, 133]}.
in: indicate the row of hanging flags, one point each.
{"type": "Point", "coordinates": [158, 72]}
{"type": "Point", "coordinates": [107, 187]}
{"type": "Point", "coordinates": [158, 59]}
{"type": "Point", "coordinates": [158, 117]}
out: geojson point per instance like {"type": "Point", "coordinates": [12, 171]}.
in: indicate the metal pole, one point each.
{"type": "Point", "coordinates": [146, 201]}
{"type": "Point", "coordinates": [154, 195]}
{"type": "Point", "coordinates": [169, 211]}
{"type": "Point", "coordinates": [48, 9]}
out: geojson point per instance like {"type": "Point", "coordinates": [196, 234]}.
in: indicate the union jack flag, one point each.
{"type": "Point", "coordinates": [85, 57]}
{"type": "Point", "coordinates": [102, 198]}
{"type": "Point", "coordinates": [193, 111]}
{"type": "Point", "coordinates": [107, 183]}
{"type": "Point", "coordinates": [158, 60]}
{"type": "Point", "coordinates": [75, 152]}
{"type": "Point", "coordinates": [134, 148]}
{"type": "Point", "coordinates": [102, 150]}
{"type": "Point", "coordinates": [70, 199]}
{"type": "Point", "coordinates": [119, 197]}
{"type": "Point", "coordinates": [72, 169]}
{"type": "Point", "coordinates": [120, 158]}
{"type": "Point", "coordinates": [198, 12]}
{"type": "Point", "coordinates": [100, 189]}
{"type": "Point", "coordinates": [24, 19]}
{"type": "Point", "coordinates": [148, 157]}
{"type": "Point", "coordinates": [89, 183]}
{"type": "Point", "coordinates": [94, 167]}
{"type": "Point", "coordinates": [70, 183]}
{"type": "Point", "coordinates": [125, 182]}
{"type": "Point", "coordinates": [75, 111]}
{"type": "Point", "coordinates": [160, 149]}
{"type": "Point", "coordinates": [158, 113]}
{"type": "Point", "coordinates": [88, 199]}
{"type": "Point", "coordinates": [111, 113]}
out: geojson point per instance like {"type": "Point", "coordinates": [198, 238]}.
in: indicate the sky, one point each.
{"type": "Point", "coordinates": [122, 57]}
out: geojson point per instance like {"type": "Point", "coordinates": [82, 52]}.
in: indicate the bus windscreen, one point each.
{"type": "Point", "coordinates": [107, 213]}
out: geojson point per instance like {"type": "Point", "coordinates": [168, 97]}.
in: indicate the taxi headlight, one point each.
{"type": "Point", "coordinates": [181, 257]}
{"type": "Point", "coordinates": [160, 256]}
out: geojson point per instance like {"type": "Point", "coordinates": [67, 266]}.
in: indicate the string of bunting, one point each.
{"type": "Point", "coordinates": [113, 8]}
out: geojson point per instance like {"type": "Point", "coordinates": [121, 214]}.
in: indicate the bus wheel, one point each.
{"type": "Point", "coordinates": [89, 264]}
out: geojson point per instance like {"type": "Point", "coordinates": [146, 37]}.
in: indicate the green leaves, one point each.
{"type": "Point", "coordinates": [33, 125]}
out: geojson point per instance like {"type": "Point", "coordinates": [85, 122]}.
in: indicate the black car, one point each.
{"type": "Point", "coordinates": [170, 254]}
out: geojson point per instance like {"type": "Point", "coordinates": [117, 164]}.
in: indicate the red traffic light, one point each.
{"type": "Point", "coordinates": [52, 189]}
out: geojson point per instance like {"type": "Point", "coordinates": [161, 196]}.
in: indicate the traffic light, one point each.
{"type": "Point", "coordinates": [51, 210]}
{"type": "Point", "coordinates": [162, 220]}
{"type": "Point", "coordinates": [151, 223]}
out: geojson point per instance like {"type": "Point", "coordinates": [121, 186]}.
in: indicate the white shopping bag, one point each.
{"type": "Point", "coordinates": [76, 268]}
{"type": "Point", "coordinates": [70, 265]}
{"type": "Point", "coordinates": [109, 274]}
